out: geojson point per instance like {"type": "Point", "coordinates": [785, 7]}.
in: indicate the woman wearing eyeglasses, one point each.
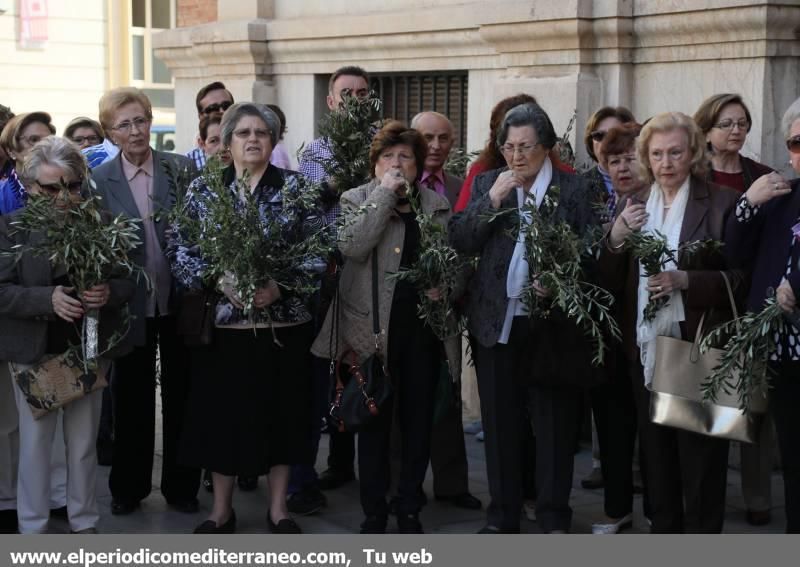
{"type": "Point", "coordinates": [84, 132]}
{"type": "Point", "coordinates": [725, 122]}
{"type": "Point", "coordinates": [18, 137]}
{"type": "Point", "coordinates": [37, 314]}
{"type": "Point", "coordinates": [762, 236]}
{"type": "Point", "coordinates": [136, 183]}
{"type": "Point", "coordinates": [520, 361]}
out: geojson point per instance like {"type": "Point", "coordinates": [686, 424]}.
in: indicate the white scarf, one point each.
{"type": "Point", "coordinates": [518, 269]}
{"type": "Point", "coordinates": [668, 318]}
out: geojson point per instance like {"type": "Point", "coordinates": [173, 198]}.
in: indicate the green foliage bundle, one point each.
{"type": "Point", "coordinates": [555, 257]}
{"type": "Point", "coordinates": [654, 253]}
{"type": "Point", "coordinates": [438, 266]}
{"type": "Point", "coordinates": [88, 246]}
{"type": "Point", "coordinates": [349, 131]}
{"type": "Point", "coordinates": [458, 161]}
{"type": "Point", "coordinates": [237, 239]}
{"type": "Point", "coordinates": [743, 364]}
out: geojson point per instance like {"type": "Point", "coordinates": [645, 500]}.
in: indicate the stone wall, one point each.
{"type": "Point", "coordinates": [573, 55]}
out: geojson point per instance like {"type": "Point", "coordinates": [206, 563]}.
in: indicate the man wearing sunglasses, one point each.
{"type": "Point", "coordinates": [212, 100]}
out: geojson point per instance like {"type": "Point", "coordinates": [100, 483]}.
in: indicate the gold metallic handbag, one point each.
{"type": "Point", "coordinates": [677, 401]}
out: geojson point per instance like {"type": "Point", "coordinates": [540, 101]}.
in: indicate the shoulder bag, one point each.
{"type": "Point", "coordinates": [361, 388]}
{"type": "Point", "coordinates": [676, 399]}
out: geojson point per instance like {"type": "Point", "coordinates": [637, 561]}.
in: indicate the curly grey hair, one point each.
{"type": "Point", "coordinates": [239, 110]}
{"type": "Point", "coordinates": [56, 152]}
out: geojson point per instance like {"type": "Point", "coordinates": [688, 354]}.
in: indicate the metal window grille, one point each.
{"type": "Point", "coordinates": [404, 95]}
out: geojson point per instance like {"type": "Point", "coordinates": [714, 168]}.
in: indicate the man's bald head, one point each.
{"type": "Point", "coordinates": [439, 133]}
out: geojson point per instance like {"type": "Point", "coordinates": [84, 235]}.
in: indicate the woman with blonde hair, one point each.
{"type": "Point", "coordinates": [686, 472]}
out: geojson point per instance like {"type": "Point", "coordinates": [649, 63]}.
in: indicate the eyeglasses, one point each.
{"type": "Point", "coordinates": [140, 122]}
{"type": "Point", "coordinates": [55, 188]}
{"type": "Point", "coordinates": [31, 140]}
{"type": "Point", "coordinates": [93, 140]}
{"type": "Point", "coordinates": [524, 149]}
{"type": "Point", "coordinates": [674, 155]}
{"type": "Point", "coordinates": [244, 133]}
{"type": "Point", "coordinates": [598, 135]}
{"type": "Point", "coordinates": [793, 144]}
{"type": "Point", "coordinates": [743, 124]}
{"type": "Point", "coordinates": [217, 107]}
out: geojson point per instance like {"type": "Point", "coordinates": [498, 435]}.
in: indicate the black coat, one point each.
{"type": "Point", "coordinates": [559, 351]}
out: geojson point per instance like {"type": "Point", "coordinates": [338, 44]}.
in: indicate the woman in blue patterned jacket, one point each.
{"type": "Point", "coordinates": [250, 397]}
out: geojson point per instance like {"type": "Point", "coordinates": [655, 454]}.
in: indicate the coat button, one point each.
{"type": "Point", "coordinates": [397, 250]}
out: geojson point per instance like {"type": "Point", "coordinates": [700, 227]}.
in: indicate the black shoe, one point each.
{"type": "Point", "coordinates": [123, 508]}
{"type": "Point", "coordinates": [464, 500]}
{"type": "Point", "coordinates": [8, 521]}
{"type": "Point", "coordinates": [409, 524]}
{"type": "Point", "coordinates": [593, 480]}
{"type": "Point", "coordinates": [284, 526]}
{"type": "Point", "coordinates": [759, 517]}
{"type": "Point", "coordinates": [209, 527]}
{"type": "Point", "coordinates": [185, 506]}
{"type": "Point", "coordinates": [247, 483]}
{"type": "Point", "coordinates": [306, 502]}
{"type": "Point", "coordinates": [374, 525]}
{"type": "Point", "coordinates": [487, 529]}
{"type": "Point", "coordinates": [208, 483]}
{"type": "Point", "coordinates": [60, 512]}
{"type": "Point", "coordinates": [331, 479]}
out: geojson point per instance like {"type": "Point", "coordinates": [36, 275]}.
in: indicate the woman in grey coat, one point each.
{"type": "Point", "coordinates": [522, 360]}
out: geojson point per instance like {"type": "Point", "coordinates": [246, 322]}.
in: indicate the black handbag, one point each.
{"type": "Point", "coordinates": [361, 389]}
{"type": "Point", "coordinates": [196, 317]}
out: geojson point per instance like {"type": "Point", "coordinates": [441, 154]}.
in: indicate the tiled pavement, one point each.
{"type": "Point", "coordinates": [343, 513]}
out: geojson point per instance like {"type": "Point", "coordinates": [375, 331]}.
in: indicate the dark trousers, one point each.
{"type": "Point", "coordinates": [133, 389]}
{"type": "Point", "coordinates": [449, 454]}
{"type": "Point", "coordinates": [614, 411]}
{"type": "Point", "coordinates": [784, 403]}
{"type": "Point", "coordinates": [414, 355]}
{"type": "Point", "coordinates": [686, 472]}
{"type": "Point", "coordinates": [556, 413]}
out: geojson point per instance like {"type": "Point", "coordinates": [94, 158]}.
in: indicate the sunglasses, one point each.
{"type": "Point", "coordinates": [217, 107]}
{"type": "Point", "coordinates": [598, 135]}
{"type": "Point", "coordinates": [55, 188]}
{"type": "Point", "coordinates": [793, 144]}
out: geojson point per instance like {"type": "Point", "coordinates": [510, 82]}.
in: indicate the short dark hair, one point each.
{"type": "Point", "coordinates": [5, 116]}
{"type": "Point", "coordinates": [620, 139]}
{"type": "Point", "coordinates": [619, 112]}
{"type": "Point", "coordinates": [215, 86]}
{"type": "Point", "coordinates": [207, 121]}
{"type": "Point", "coordinates": [529, 114]}
{"type": "Point", "coordinates": [277, 110]}
{"type": "Point", "coordinates": [395, 133]}
{"type": "Point", "coordinates": [84, 122]}
{"type": "Point", "coordinates": [350, 70]}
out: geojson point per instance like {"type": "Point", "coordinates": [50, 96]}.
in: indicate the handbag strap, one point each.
{"type": "Point", "coordinates": [376, 326]}
{"type": "Point", "coordinates": [699, 334]}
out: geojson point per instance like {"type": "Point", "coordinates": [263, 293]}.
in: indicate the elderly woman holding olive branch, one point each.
{"type": "Point", "coordinates": [522, 359]}
{"type": "Point", "coordinates": [38, 311]}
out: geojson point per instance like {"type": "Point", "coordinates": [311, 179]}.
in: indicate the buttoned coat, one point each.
{"type": "Point", "coordinates": [559, 353]}
{"type": "Point", "coordinates": [371, 223]}
{"type": "Point", "coordinates": [117, 196]}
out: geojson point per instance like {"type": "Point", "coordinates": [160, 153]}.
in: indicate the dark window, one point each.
{"type": "Point", "coordinates": [404, 95]}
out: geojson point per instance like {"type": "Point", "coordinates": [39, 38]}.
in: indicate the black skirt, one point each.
{"type": "Point", "coordinates": [250, 401]}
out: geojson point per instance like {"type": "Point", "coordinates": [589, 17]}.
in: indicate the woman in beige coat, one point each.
{"type": "Point", "coordinates": [378, 217]}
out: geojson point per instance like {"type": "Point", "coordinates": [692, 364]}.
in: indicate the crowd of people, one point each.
{"type": "Point", "coordinates": [252, 401]}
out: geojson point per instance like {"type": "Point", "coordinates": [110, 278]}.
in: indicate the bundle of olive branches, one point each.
{"type": "Point", "coordinates": [555, 256]}
{"type": "Point", "coordinates": [654, 253]}
{"type": "Point", "coordinates": [236, 238]}
{"type": "Point", "coordinates": [743, 365]}
{"type": "Point", "coordinates": [348, 131]}
{"type": "Point", "coordinates": [90, 247]}
{"type": "Point", "coordinates": [437, 266]}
